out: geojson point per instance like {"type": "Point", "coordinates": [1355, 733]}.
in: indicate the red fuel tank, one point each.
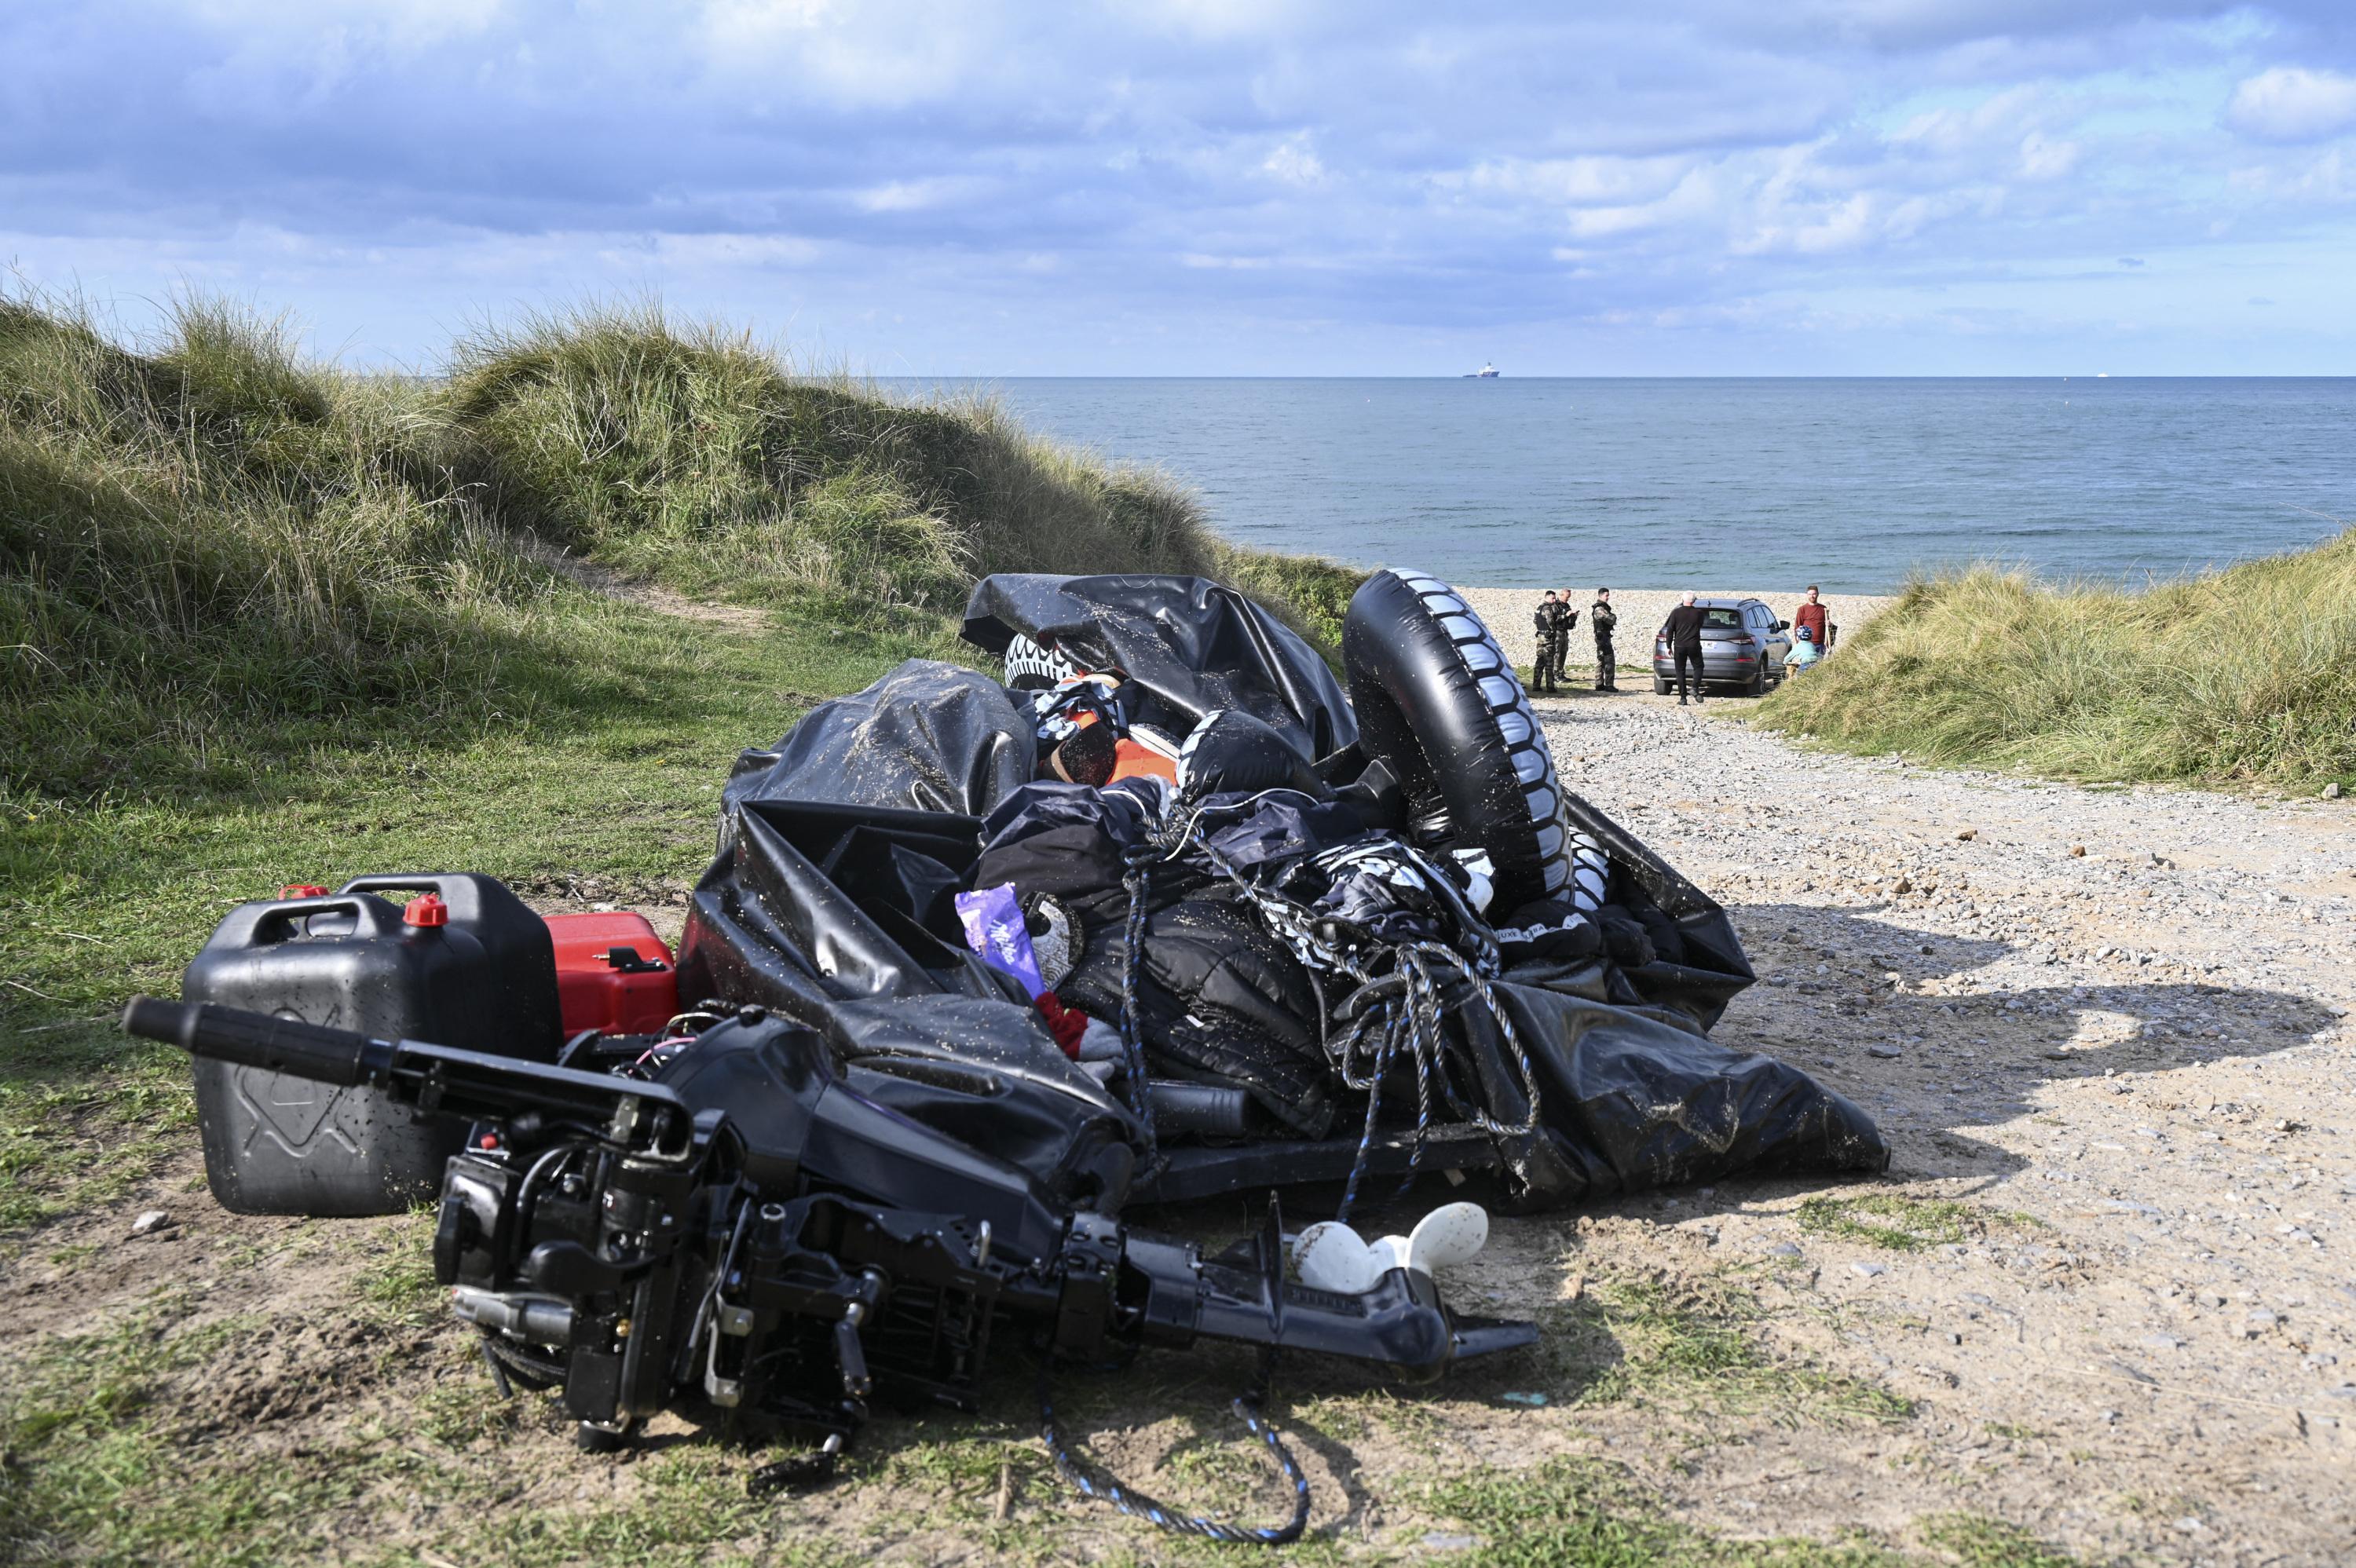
{"type": "Point", "coordinates": [613, 974]}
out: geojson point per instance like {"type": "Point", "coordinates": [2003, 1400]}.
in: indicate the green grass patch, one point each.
{"type": "Point", "coordinates": [1899, 1223]}
{"type": "Point", "coordinates": [1576, 1512]}
{"type": "Point", "coordinates": [1579, 1512]}
{"type": "Point", "coordinates": [612, 780]}
{"type": "Point", "coordinates": [1696, 1344]}
{"type": "Point", "coordinates": [1975, 1541]}
{"type": "Point", "coordinates": [2245, 676]}
{"type": "Point", "coordinates": [398, 1282]}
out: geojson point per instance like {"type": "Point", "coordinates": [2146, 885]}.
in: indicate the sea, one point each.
{"type": "Point", "coordinates": [1856, 484]}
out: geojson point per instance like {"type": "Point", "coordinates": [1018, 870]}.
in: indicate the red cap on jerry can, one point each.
{"type": "Point", "coordinates": [426, 909]}
{"type": "Point", "coordinates": [302, 891]}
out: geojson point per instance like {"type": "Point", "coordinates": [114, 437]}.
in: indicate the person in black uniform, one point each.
{"type": "Point", "coordinates": [1600, 619]}
{"type": "Point", "coordinates": [1683, 631]}
{"type": "Point", "coordinates": [1542, 634]}
{"type": "Point", "coordinates": [1565, 618]}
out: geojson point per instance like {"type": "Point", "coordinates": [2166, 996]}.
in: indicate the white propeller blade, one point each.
{"type": "Point", "coordinates": [1329, 1255]}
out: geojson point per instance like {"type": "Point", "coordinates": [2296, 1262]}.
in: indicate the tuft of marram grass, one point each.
{"type": "Point", "coordinates": [690, 452]}
{"type": "Point", "coordinates": [2244, 677]}
{"type": "Point", "coordinates": [216, 550]}
{"type": "Point", "coordinates": [207, 541]}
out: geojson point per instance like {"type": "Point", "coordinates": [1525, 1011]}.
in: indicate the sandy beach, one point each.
{"type": "Point", "coordinates": [1642, 610]}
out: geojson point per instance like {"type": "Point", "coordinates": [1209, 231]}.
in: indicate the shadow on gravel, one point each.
{"type": "Point", "coordinates": [1949, 1063]}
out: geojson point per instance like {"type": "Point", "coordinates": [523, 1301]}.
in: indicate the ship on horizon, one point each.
{"type": "Point", "coordinates": [1485, 373]}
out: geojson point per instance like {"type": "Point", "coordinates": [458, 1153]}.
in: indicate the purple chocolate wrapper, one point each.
{"type": "Point", "coordinates": [994, 928]}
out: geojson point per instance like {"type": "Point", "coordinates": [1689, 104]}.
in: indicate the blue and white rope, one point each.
{"type": "Point", "coordinates": [1137, 1504]}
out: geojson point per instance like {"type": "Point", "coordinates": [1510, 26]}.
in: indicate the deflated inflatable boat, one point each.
{"type": "Point", "coordinates": [1283, 935]}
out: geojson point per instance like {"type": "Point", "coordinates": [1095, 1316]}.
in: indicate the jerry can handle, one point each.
{"type": "Point", "coordinates": [272, 921]}
{"type": "Point", "coordinates": [436, 882]}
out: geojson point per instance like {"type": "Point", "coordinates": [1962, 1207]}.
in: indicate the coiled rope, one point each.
{"type": "Point", "coordinates": [1397, 1006]}
{"type": "Point", "coordinates": [1137, 1504]}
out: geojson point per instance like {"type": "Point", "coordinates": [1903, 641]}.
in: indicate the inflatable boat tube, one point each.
{"type": "Point", "coordinates": [1439, 703]}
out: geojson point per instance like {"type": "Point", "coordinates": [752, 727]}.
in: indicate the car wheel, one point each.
{"type": "Point", "coordinates": [1757, 685]}
{"type": "Point", "coordinates": [1660, 686]}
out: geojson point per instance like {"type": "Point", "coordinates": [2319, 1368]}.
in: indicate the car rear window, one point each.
{"type": "Point", "coordinates": [1722, 619]}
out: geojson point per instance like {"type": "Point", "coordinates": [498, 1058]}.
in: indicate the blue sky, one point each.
{"type": "Point", "coordinates": [1223, 187]}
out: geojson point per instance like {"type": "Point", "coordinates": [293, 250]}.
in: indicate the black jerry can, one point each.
{"type": "Point", "coordinates": [522, 958]}
{"type": "Point", "coordinates": [276, 1145]}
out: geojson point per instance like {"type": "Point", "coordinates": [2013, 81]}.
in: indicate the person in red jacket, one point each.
{"type": "Point", "coordinates": [1814, 616]}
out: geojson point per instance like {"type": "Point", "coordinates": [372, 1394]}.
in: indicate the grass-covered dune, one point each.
{"type": "Point", "coordinates": [215, 554]}
{"type": "Point", "coordinates": [2244, 677]}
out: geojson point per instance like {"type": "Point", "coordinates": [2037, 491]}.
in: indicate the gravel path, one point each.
{"type": "Point", "coordinates": [2112, 1024]}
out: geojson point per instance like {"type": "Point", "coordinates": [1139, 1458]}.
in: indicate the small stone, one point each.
{"type": "Point", "coordinates": [1869, 1271]}
{"type": "Point", "coordinates": [1902, 885]}
{"type": "Point", "coordinates": [2331, 791]}
{"type": "Point", "coordinates": [1442, 1540]}
{"type": "Point", "coordinates": [1925, 947]}
{"type": "Point", "coordinates": [153, 1220]}
{"type": "Point", "coordinates": [1783, 1250]}
{"type": "Point", "coordinates": [1884, 1051]}
{"type": "Point", "coordinates": [2077, 851]}
{"type": "Point", "coordinates": [2162, 1342]}
{"type": "Point", "coordinates": [1968, 835]}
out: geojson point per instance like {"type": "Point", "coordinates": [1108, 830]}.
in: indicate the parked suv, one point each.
{"type": "Point", "coordinates": [1742, 644]}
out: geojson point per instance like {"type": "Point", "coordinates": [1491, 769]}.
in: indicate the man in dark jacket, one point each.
{"type": "Point", "coordinates": [1564, 619]}
{"type": "Point", "coordinates": [1543, 628]}
{"type": "Point", "coordinates": [1600, 619]}
{"type": "Point", "coordinates": [1682, 631]}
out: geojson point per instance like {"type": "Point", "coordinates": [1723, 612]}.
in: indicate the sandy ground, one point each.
{"type": "Point", "coordinates": [1642, 610]}
{"type": "Point", "coordinates": [2114, 1021]}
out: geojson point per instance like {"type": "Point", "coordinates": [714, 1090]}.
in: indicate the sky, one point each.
{"type": "Point", "coordinates": [1219, 186]}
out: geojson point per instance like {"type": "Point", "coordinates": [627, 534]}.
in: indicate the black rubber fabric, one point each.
{"type": "Point", "coordinates": [1439, 703]}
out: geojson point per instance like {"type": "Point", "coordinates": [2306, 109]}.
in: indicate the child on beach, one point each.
{"type": "Point", "coordinates": [1805, 652]}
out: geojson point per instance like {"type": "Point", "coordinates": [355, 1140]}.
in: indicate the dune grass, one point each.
{"type": "Point", "coordinates": [693, 453]}
{"type": "Point", "coordinates": [2243, 677]}
{"type": "Point", "coordinates": [217, 556]}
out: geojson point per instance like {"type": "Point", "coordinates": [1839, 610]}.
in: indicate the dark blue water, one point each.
{"type": "Point", "coordinates": [1765, 482]}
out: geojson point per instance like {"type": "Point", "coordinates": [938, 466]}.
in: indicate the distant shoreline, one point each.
{"type": "Point", "coordinates": [1506, 612]}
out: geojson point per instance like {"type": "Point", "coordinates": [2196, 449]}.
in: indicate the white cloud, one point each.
{"type": "Point", "coordinates": [1295, 162]}
{"type": "Point", "coordinates": [2292, 103]}
{"type": "Point", "coordinates": [1695, 195]}
{"type": "Point", "coordinates": [735, 249]}
{"type": "Point", "coordinates": [1576, 182]}
{"type": "Point", "coordinates": [912, 196]}
{"type": "Point", "coordinates": [2044, 157]}
{"type": "Point", "coordinates": [1949, 131]}
{"type": "Point", "coordinates": [2309, 181]}
{"type": "Point", "coordinates": [1811, 228]}
{"type": "Point", "coordinates": [871, 53]}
